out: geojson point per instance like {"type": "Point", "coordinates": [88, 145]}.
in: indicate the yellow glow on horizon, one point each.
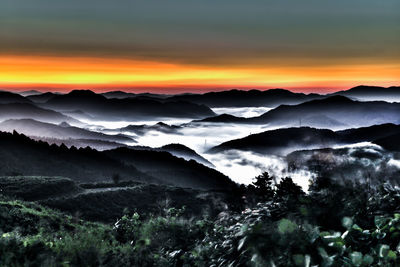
{"type": "Point", "coordinates": [27, 71]}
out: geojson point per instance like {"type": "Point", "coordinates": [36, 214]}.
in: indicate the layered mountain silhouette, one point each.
{"type": "Point", "coordinates": [182, 151]}
{"type": "Point", "coordinates": [7, 98]}
{"type": "Point", "coordinates": [127, 108]}
{"type": "Point", "coordinates": [30, 111]}
{"type": "Point", "coordinates": [282, 141]}
{"type": "Point", "coordinates": [31, 127]}
{"type": "Point", "coordinates": [122, 94]}
{"type": "Point", "coordinates": [21, 155]}
{"type": "Point", "coordinates": [368, 93]}
{"type": "Point", "coordinates": [252, 98]}
{"type": "Point", "coordinates": [335, 111]}
{"type": "Point", "coordinates": [41, 98]}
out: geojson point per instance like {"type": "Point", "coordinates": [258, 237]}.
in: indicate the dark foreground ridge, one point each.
{"type": "Point", "coordinates": [24, 156]}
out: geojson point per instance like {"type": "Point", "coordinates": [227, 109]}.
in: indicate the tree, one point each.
{"type": "Point", "coordinates": [287, 188]}
{"type": "Point", "coordinates": [116, 178]}
{"type": "Point", "coordinates": [263, 185]}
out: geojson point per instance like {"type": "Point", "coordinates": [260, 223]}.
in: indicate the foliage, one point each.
{"type": "Point", "coordinates": [331, 225]}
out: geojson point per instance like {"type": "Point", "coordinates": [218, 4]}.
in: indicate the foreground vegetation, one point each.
{"type": "Point", "coordinates": [278, 225]}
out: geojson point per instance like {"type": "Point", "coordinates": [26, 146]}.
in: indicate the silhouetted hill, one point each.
{"type": "Point", "coordinates": [127, 108]}
{"type": "Point", "coordinates": [331, 112]}
{"type": "Point", "coordinates": [143, 129]}
{"type": "Point", "coordinates": [41, 98]}
{"type": "Point", "coordinates": [29, 93]}
{"type": "Point", "coordinates": [122, 94]}
{"type": "Point", "coordinates": [285, 140]}
{"type": "Point", "coordinates": [31, 127]}
{"type": "Point", "coordinates": [337, 108]}
{"type": "Point", "coordinates": [118, 94]}
{"type": "Point", "coordinates": [371, 133]}
{"type": "Point", "coordinates": [167, 167]}
{"type": "Point", "coordinates": [30, 111]}
{"type": "Point", "coordinates": [252, 98]}
{"type": "Point", "coordinates": [182, 151]}
{"type": "Point", "coordinates": [370, 93]}
{"type": "Point", "coordinates": [223, 118]}
{"type": "Point", "coordinates": [81, 143]}
{"type": "Point", "coordinates": [22, 155]}
{"type": "Point", "coordinates": [281, 141]}
{"type": "Point", "coordinates": [7, 98]}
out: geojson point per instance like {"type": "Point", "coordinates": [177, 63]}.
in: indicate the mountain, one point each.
{"type": "Point", "coordinates": [118, 94]}
{"type": "Point", "coordinates": [8, 98]}
{"type": "Point", "coordinates": [282, 141]}
{"type": "Point", "coordinates": [143, 129]}
{"type": "Point", "coordinates": [223, 118]}
{"type": "Point", "coordinates": [369, 134]}
{"type": "Point", "coordinates": [99, 145]}
{"type": "Point", "coordinates": [252, 98]}
{"type": "Point", "coordinates": [22, 155]}
{"type": "Point", "coordinates": [122, 94]}
{"type": "Point", "coordinates": [166, 167]}
{"type": "Point", "coordinates": [182, 151]}
{"type": "Point", "coordinates": [31, 127]}
{"type": "Point", "coordinates": [128, 108]}
{"type": "Point", "coordinates": [30, 111]}
{"type": "Point", "coordinates": [339, 108]}
{"type": "Point", "coordinates": [331, 112]}
{"type": "Point", "coordinates": [41, 98]}
{"type": "Point", "coordinates": [372, 93]}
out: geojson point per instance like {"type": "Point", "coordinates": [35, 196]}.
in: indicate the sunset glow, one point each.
{"type": "Point", "coordinates": [65, 73]}
{"type": "Point", "coordinates": [196, 46]}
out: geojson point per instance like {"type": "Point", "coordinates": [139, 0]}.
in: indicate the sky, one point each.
{"type": "Point", "coordinates": [196, 46]}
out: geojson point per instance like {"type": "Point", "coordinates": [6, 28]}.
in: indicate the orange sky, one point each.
{"type": "Point", "coordinates": [21, 72]}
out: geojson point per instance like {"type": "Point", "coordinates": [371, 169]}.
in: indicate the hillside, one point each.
{"type": "Point", "coordinates": [370, 93]}
{"type": "Point", "coordinates": [37, 158]}
{"type": "Point", "coordinates": [30, 111]}
{"type": "Point", "coordinates": [282, 141]}
{"type": "Point", "coordinates": [336, 112]}
{"type": "Point", "coordinates": [8, 97]}
{"type": "Point", "coordinates": [63, 131]}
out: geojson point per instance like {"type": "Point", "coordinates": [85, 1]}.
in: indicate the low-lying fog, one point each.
{"type": "Point", "coordinates": [241, 166]}
{"type": "Point", "coordinates": [246, 112]}
{"type": "Point", "coordinates": [201, 137]}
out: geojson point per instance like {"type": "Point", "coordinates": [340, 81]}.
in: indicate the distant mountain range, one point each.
{"type": "Point", "coordinates": [275, 97]}
{"type": "Point", "coordinates": [252, 98]}
{"type": "Point", "coordinates": [31, 111]}
{"type": "Point", "coordinates": [126, 108]}
{"type": "Point", "coordinates": [122, 94]}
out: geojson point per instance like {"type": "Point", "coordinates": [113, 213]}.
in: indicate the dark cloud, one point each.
{"type": "Point", "coordinates": [205, 32]}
